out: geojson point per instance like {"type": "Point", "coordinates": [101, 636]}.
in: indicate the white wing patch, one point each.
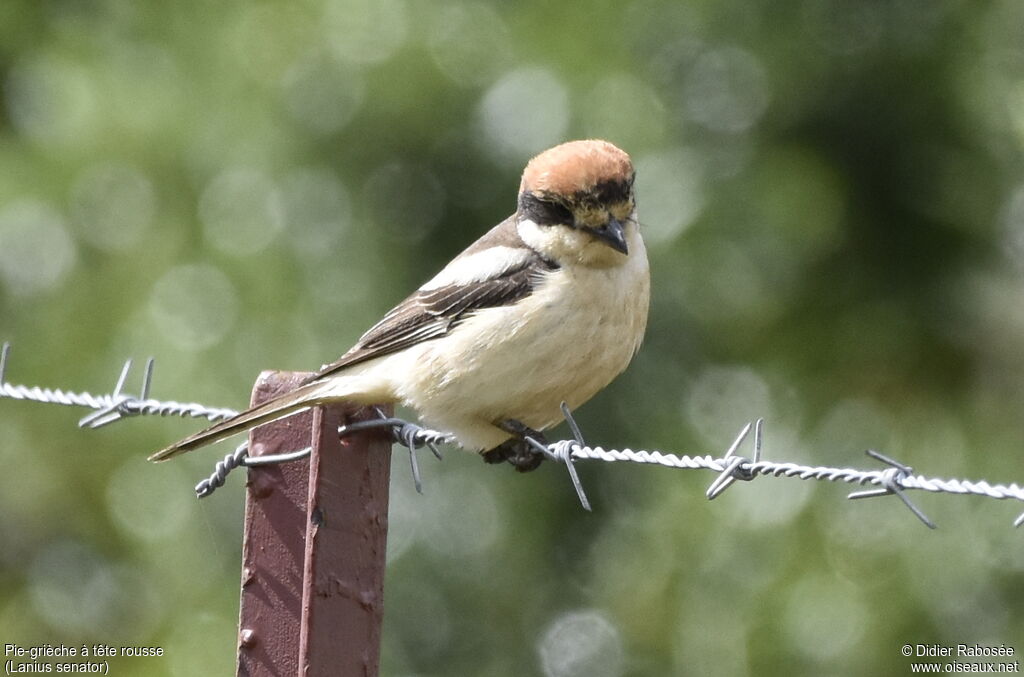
{"type": "Point", "coordinates": [479, 266]}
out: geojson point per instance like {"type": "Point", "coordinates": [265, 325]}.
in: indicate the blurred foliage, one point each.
{"type": "Point", "coordinates": [833, 196]}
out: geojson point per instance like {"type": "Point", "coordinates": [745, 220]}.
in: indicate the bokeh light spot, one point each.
{"type": "Point", "coordinates": [582, 643]}
{"type": "Point", "coordinates": [36, 251]}
{"type": "Point", "coordinates": [458, 518]}
{"type": "Point", "coordinates": [318, 210]}
{"type": "Point", "coordinates": [723, 399]}
{"type": "Point", "coordinates": [51, 100]}
{"type": "Point", "coordinates": [525, 112]}
{"type": "Point", "coordinates": [670, 193]}
{"type": "Point", "coordinates": [241, 211]}
{"type": "Point", "coordinates": [726, 90]}
{"type": "Point", "coordinates": [263, 37]}
{"type": "Point", "coordinates": [366, 31]}
{"type": "Point", "coordinates": [850, 427]}
{"type": "Point", "coordinates": [625, 110]}
{"type": "Point", "coordinates": [145, 505]}
{"type": "Point", "coordinates": [469, 42]}
{"type": "Point", "coordinates": [699, 646]}
{"type": "Point", "coordinates": [193, 306]}
{"type": "Point", "coordinates": [762, 506]}
{"type": "Point", "coordinates": [824, 618]}
{"type": "Point", "coordinates": [78, 593]}
{"type": "Point", "coordinates": [464, 518]}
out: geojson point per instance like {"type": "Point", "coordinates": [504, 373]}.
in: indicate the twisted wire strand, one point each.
{"type": "Point", "coordinates": [791, 470]}
{"type": "Point", "coordinates": [224, 466]}
{"type": "Point", "coordinates": [113, 406]}
{"type": "Point", "coordinates": [954, 486]}
{"type": "Point", "coordinates": [408, 435]}
{"type": "Point", "coordinates": [150, 407]}
{"type": "Point", "coordinates": [55, 396]}
{"type": "Point", "coordinates": [425, 437]}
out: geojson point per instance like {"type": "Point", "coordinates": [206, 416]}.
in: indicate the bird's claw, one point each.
{"type": "Point", "coordinates": [525, 450]}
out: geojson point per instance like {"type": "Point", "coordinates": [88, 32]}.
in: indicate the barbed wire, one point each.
{"type": "Point", "coordinates": [895, 479]}
{"type": "Point", "coordinates": [112, 406]}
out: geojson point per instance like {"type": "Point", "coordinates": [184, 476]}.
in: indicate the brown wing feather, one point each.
{"type": "Point", "coordinates": [431, 314]}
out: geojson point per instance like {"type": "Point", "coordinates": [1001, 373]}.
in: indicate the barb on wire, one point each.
{"type": "Point", "coordinates": [561, 452]}
{"type": "Point", "coordinates": [407, 434]}
{"type": "Point", "coordinates": [897, 479]}
{"type": "Point", "coordinates": [112, 406]}
{"type": "Point", "coordinates": [735, 469]}
{"type": "Point", "coordinates": [891, 485]}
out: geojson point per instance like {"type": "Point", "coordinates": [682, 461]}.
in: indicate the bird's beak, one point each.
{"type": "Point", "coordinates": [612, 234]}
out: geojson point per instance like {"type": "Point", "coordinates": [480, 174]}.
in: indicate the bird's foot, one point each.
{"type": "Point", "coordinates": [520, 451]}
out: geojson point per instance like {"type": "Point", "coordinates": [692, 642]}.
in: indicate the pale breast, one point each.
{"type": "Point", "coordinates": [566, 341]}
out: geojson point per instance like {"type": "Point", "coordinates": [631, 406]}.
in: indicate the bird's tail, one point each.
{"type": "Point", "coordinates": [292, 402]}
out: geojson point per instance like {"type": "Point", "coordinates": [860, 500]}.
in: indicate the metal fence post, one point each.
{"type": "Point", "coordinates": [314, 545]}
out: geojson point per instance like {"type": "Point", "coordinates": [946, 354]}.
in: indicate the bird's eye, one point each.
{"type": "Point", "coordinates": [544, 212]}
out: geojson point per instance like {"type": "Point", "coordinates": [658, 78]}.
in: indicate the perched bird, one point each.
{"type": "Point", "coordinates": [550, 305]}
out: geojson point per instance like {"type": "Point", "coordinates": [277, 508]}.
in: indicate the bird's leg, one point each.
{"type": "Point", "coordinates": [517, 450]}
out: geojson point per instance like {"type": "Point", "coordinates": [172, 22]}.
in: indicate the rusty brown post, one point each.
{"type": "Point", "coordinates": [314, 545]}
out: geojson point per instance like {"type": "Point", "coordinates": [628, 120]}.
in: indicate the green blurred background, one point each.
{"type": "Point", "coordinates": [832, 194]}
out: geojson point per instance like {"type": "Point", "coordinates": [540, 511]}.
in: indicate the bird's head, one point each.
{"type": "Point", "coordinates": [576, 204]}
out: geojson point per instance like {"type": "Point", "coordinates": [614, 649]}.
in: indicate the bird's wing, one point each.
{"type": "Point", "coordinates": [497, 270]}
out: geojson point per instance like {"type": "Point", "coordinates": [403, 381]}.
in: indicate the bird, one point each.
{"type": "Point", "coordinates": [548, 306]}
